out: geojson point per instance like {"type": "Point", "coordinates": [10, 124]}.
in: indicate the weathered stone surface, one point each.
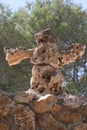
{"type": "Point", "coordinates": [81, 127]}
{"type": "Point", "coordinates": [48, 122]}
{"type": "Point", "coordinates": [46, 80]}
{"type": "Point", "coordinates": [33, 95]}
{"type": "Point", "coordinates": [4, 104]}
{"type": "Point", "coordinates": [44, 104]}
{"type": "Point", "coordinates": [74, 102]}
{"type": "Point", "coordinates": [44, 54]}
{"type": "Point", "coordinates": [47, 112]}
{"type": "Point", "coordinates": [19, 55]}
{"type": "Point", "coordinates": [56, 108]}
{"type": "Point", "coordinates": [4, 124]}
{"type": "Point", "coordinates": [24, 117]}
{"type": "Point", "coordinates": [69, 117]}
{"type": "Point", "coordinates": [47, 60]}
{"type": "Point", "coordinates": [22, 97]}
{"type": "Point", "coordinates": [41, 107]}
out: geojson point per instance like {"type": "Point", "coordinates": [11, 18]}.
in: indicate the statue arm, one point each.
{"type": "Point", "coordinates": [15, 56]}
{"type": "Point", "coordinates": [72, 54]}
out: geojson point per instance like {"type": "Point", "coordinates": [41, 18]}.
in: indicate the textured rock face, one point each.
{"type": "Point", "coordinates": [43, 107]}
{"type": "Point", "coordinates": [24, 117]}
{"type": "Point", "coordinates": [48, 112]}
{"type": "Point", "coordinates": [48, 122]}
{"type": "Point", "coordinates": [4, 104]}
{"type": "Point", "coordinates": [46, 51]}
{"type": "Point", "coordinates": [4, 124]}
{"type": "Point", "coordinates": [81, 127]}
{"type": "Point", "coordinates": [15, 56]}
{"type": "Point", "coordinates": [44, 104]}
{"type": "Point", "coordinates": [46, 80]}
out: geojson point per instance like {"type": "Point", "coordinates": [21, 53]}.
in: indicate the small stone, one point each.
{"type": "Point", "coordinates": [81, 127]}
{"type": "Point", "coordinates": [4, 104]}
{"type": "Point", "coordinates": [4, 124]}
{"type": "Point", "coordinates": [44, 104]}
{"type": "Point", "coordinates": [22, 97]}
{"type": "Point", "coordinates": [4, 99]}
{"type": "Point", "coordinates": [74, 102]}
{"type": "Point", "coordinates": [69, 117]}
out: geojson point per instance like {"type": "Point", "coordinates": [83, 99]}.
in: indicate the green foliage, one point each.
{"type": "Point", "coordinates": [67, 20]}
{"type": "Point", "coordinates": [83, 84]}
{"type": "Point", "coordinates": [71, 88]}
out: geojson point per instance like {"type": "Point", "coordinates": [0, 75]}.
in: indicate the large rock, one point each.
{"type": "Point", "coordinates": [47, 112]}
{"type": "Point", "coordinates": [44, 104]}
{"type": "Point", "coordinates": [24, 117]}
{"type": "Point", "coordinates": [48, 122]}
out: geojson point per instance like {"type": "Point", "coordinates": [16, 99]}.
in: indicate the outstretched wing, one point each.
{"type": "Point", "coordinates": [71, 54]}
{"type": "Point", "coordinates": [15, 56]}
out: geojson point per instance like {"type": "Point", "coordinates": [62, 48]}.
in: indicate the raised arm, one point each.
{"type": "Point", "coordinates": [15, 56]}
{"type": "Point", "coordinates": [71, 54]}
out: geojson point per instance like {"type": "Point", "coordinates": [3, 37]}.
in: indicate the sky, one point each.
{"type": "Point", "coordinates": [16, 4]}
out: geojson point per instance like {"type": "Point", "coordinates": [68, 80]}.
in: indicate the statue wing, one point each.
{"type": "Point", "coordinates": [15, 56]}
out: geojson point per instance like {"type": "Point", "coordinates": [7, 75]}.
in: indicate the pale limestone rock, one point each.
{"type": "Point", "coordinates": [15, 56]}
{"type": "Point", "coordinates": [47, 60]}
{"type": "Point", "coordinates": [46, 80]}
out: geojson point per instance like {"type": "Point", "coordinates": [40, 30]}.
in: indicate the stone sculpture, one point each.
{"type": "Point", "coordinates": [42, 107]}
{"type": "Point", "coordinates": [48, 61]}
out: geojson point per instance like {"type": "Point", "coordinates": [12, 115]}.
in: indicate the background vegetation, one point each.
{"type": "Point", "coordinates": [69, 23]}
